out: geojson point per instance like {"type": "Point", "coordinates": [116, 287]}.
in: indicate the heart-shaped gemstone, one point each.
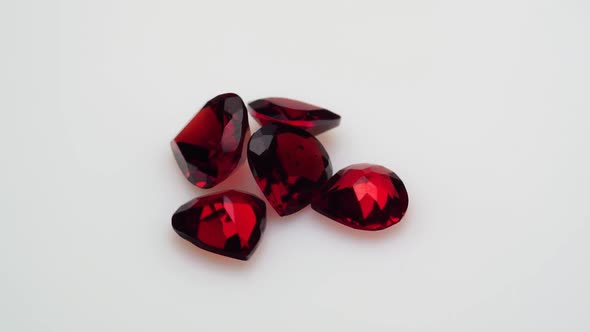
{"type": "Point", "coordinates": [228, 223]}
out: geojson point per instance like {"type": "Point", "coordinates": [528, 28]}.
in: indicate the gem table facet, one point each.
{"type": "Point", "coordinates": [289, 165]}
{"type": "Point", "coordinates": [363, 196]}
{"type": "Point", "coordinates": [311, 118]}
{"type": "Point", "coordinates": [228, 223]}
{"type": "Point", "coordinates": [210, 147]}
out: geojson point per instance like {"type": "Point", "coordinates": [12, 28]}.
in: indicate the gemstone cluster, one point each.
{"type": "Point", "coordinates": [289, 164]}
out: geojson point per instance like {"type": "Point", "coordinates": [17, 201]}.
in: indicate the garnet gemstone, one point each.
{"type": "Point", "coordinates": [289, 165]}
{"type": "Point", "coordinates": [210, 147]}
{"type": "Point", "coordinates": [311, 118]}
{"type": "Point", "coordinates": [363, 196]}
{"type": "Point", "coordinates": [228, 223]}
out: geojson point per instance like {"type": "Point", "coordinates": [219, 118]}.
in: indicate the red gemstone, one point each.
{"type": "Point", "coordinates": [210, 147]}
{"type": "Point", "coordinates": [311, 118]}
{"type": "Point", "coordinates": [363, 196]}
{"type": "Point", "coordinates": [228, 223]}
{"type": "Point", "coordinates": [289, 165]}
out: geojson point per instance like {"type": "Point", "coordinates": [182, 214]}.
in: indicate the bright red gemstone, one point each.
{"type": "Point", "coordinates": [311, 118]}
{"type": "Point", "coordinates": [363, 196]}
{"type": "Point", "coordinates": [289, 165]}
{"type": "Point", "coordinates": [228, 223]}
{"type": "Point", "coordinates": [210, 147]}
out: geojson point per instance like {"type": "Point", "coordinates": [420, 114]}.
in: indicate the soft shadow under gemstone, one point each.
{"type": "Point", "coordinates": [313, 119]}
{"type": "Point", "coordinates": [363, 196]}
{"type": "Point", "coordinates": [210, 147]}
{"type": "Point", "coordinates": [229, 223]}
{"type": "Point", "coordinates": [289, 165]}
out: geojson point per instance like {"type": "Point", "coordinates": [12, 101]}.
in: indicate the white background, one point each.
{"type": "Point", "coordinates": [481, 107]}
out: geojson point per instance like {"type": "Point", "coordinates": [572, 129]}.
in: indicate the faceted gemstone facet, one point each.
{"type": "Point", "coordinates": [363, 196]}
{"type": "Point", "coordinates": [210, 147]}
{"type": "Point", "coordinates": [289, 165]}
{"type": "Point", "coordinates": [228, 223]}
{"type": "Point", "coordinates": [311, 118]}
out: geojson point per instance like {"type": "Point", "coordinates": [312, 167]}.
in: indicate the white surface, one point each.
{"type": "Point", "coordinates": [482, 107]}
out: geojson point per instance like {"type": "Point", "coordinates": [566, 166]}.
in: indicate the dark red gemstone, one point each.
{"type": "Point", "coordinates": [289, 165]}
{"type": "Point", "coordinates": [228, 223]}
{"type": "Point", "coordinates": [312, 118]}
{"type": "Point", "coordinates": [210, 147]}
{"type": "Point", "coordinates": [363, 196]}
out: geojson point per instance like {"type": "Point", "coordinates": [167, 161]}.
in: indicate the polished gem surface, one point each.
{"type": "Point", "coordinates": [228, 223]}
{"type": "Point", "coordinates": [311, 118]}
{"type": "Point", "coordinates": [363, 196]}
{"type": "Point", "coordinates": [289, 165]}
{"type": "Point", "coordinates": [210, 147]}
